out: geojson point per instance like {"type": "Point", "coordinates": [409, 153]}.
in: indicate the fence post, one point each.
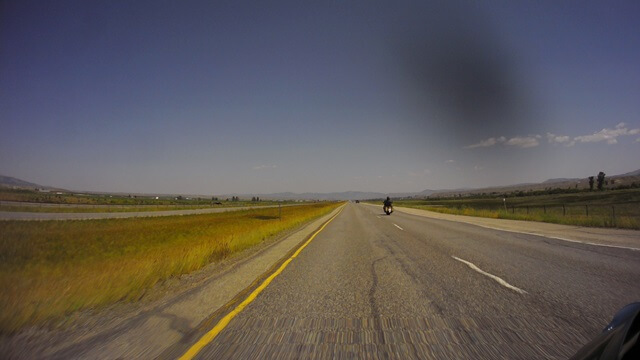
{"type": "Point", "coordinates": [544, 208]}
{"type": "Point", "coordinates": [527, 210]}
{"type": "Point", "coordinates": [586, 208]}
{"type": "Point", "coordinates": [564, 210]}
{"type": "Point", "coordinates": [513, 209]}
{"type": "Point", "coordinates": [613, 213]}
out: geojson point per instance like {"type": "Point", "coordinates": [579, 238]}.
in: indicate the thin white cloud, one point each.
{"type": "Point", "coordinates": [608, 135]}
{"type": "Point", "coordinates": [524, 141]}
{"type": "Point", "coordinates": [520, 141]}
{"type": "Point", "coordinates": [486, 143]}
{"type": "Point", "coordinates": [262, 167]}
{"type": "Point", "coordinates": [449, 161]}
{"type": "Point", "coordinates": [558, 139]}
{"type": "Point", "coordinates": [529, 141]}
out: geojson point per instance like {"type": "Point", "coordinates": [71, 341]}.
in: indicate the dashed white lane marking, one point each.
{"type": "Point", "coordinates": [378, 217]}
{"type": "Point", "coordinates": [398, 227]}
{"type": "Point", "coordinates": [499, 280]}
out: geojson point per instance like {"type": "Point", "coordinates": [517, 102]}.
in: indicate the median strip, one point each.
{"type": "Point", "coordinates": [496, 278]}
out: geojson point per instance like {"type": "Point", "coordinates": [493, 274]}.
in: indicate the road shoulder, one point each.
{"type": "Point", "coordinates": [619, 238]}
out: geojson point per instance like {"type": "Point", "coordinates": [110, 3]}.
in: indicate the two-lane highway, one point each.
{"type": "Point", "coordinates": [404, 286]}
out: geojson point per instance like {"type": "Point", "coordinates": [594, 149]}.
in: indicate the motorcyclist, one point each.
{"type": "Point", "coordinates": [388, 202]}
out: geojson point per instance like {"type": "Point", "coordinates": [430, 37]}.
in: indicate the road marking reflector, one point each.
{"type": "Point", "coordinates": [398, 227]}
{"type": "Point", "coordinates": [209, 336]}
{"type": "Point", "coordinates": [499, 280]}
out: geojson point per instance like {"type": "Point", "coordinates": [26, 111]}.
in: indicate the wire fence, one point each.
{"type": "Point", "coordinates": [611, 212]}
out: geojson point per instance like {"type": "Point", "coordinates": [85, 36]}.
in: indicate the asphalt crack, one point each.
{"type": "Point", "coordinates": [375, 311]}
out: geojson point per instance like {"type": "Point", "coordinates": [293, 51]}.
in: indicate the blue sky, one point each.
{"type": "Point", "coordinates": [234, 96]}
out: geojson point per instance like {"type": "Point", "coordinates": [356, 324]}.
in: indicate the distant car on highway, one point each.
{"type": "Point", "coordinates": [357, 201]}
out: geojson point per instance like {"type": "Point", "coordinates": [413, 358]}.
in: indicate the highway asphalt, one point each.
{"type": "Point", "coordinates": [370, 286]}
{"type": "Point", "coordinates": [405, 286]}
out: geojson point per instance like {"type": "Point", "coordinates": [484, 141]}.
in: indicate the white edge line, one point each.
{"type": "Point", "coordinates": [499, 280]}
{"type": "Point", "coordinates": [398, 227]}
{"type": "Point", "coordinates": [560, 238]}
{"type": "Point", "coordinates": [541, 235]}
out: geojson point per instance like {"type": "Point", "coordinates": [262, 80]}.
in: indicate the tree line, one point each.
{"type": "Point", "coordinates": [601, 181]}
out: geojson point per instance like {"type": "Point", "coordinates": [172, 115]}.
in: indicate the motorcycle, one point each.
{"type": "Point", "coordinates": [388, 209]}
{"type": "Point", "coordinates": [619, 340]}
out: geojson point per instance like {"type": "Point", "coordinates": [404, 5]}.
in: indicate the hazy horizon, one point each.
{"type": "Point", "coordinates": [341, 191]}
{"type": "Point", "coordinates": [237, 97]}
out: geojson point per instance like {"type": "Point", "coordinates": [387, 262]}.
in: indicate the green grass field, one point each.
{"type": "Point", "coordinates": [619, 208]}
{"type": "Point", "coordinates": [50, 269]}
{"type": "Point", "coordinates": [123, 208]}
{"type": "Point", "coordinates": [32, 196]}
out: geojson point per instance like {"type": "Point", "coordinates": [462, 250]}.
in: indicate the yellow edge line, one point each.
{"type": "Point", "coordinates": [209, 336]}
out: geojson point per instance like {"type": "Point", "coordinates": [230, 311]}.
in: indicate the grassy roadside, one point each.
{"type": "Point", "coordinates": [595, 220]}
{"type": "Point", "coordinates": [618, 208]}
{"type": "Point", "coordinates": [68, 198]}
{"type": "Point", "coordinates": [119, 208]}
{"type": "Point", "coordinates": [50, 269]}
{"type": "Point", "coordinates": [60, 209]}
{"type": "Point", "coordinates": [582, 198]}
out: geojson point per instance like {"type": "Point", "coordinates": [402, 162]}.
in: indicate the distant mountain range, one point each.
{"type": "Point", "coordinates": [633, 176]}
{"type": "Point", "coordinates": [13, 182]}
{"type": "Point", "coordinates": [345, 195]}
{"type": "Point", "coordinates": [632, 173]}
{"type": "Point", "coordinates": [579, 183]}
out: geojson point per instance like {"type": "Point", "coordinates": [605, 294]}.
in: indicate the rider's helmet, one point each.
{"type": "Point", "coordinates": [388, 198]}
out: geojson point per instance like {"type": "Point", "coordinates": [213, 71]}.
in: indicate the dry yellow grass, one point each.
{"type": "Point", "coordinates": [51, 269]}
{"type": "Point", "coordinates": [623, 222]}
{"type": "Point", "coordinates": [101, 209]}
